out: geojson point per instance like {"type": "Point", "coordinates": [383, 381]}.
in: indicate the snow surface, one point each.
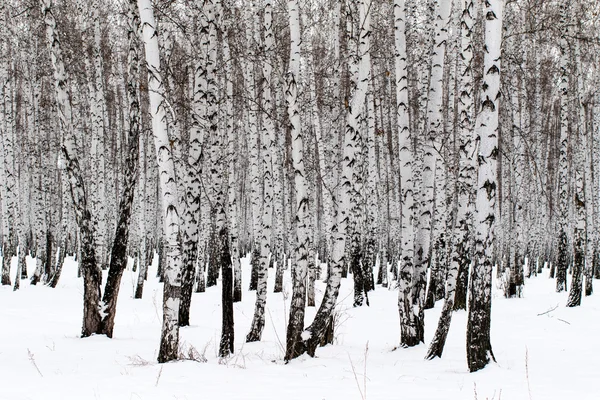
{"type": "Point", "coordinates": [549, 356]}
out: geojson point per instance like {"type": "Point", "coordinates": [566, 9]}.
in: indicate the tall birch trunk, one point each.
{"type": "Point", "coordinates": [232, 176]}
{"type": "Point", "coordinates": [7, 156]}
{"type": "Point", "coordinates": [100, 131]}
{"type": "Point", "coordinates": [267, 142]}
{"type": "Point", "coordinates": [435, 115]}
{"type": "Point", "coordinates": [563, 252]}
{"type": "Point", "coordinates": [169, 342]}
{"type": "Point", "coordinates": [319, 330]}
{"type": "Point", "coordinates": [461, 244]}
{"type": "Point", "coordinates": [92, 276]}
{"type": "Point", "coordinates": [580, 203]}
{"type": "Point", "coordinates": [294, 339]}
{"type": "Point", "coordinates": [479, 348]}
{"type": "Point", "coordinates": [252, 38]}
{"type": "Point", "coordinates": [118, 255]}
{"type": "Point", "coordinates": [356, 115]}
{"type": "Point", "coordinates": [406, 270]}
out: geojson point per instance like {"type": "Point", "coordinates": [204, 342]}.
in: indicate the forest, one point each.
{"type": "Point", "coordinates": [445, 151]}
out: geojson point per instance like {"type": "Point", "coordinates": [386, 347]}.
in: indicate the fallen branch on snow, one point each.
{"type": "Point", "coordinates": [550, 310]}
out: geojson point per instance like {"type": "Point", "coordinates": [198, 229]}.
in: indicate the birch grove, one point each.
{"type": "Point", "coordinates": [434, 148]}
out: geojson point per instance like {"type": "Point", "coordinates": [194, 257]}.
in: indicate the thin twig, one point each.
{"type": "Point", "coordinates": [365, 370]}
{"type": "Point", "coordinates": [34, 363]}
{"type": "Point", "coordinates": [275, 330]}
{"type": "Point", "coordinates": [527, 371]}
{"type": "Point", "coordinates": [158, 376]}
{"type": "Point", "coordinates": [356, 378]}
{"type": "Point", "coordinates": [550, 310]}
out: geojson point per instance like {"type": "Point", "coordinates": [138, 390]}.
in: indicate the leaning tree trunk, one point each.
{"type": "Point", "coordinates": [169, 342]}
{"type": "Point", "coordinates": [320, 329]}
{"type": "Point", "coordinates": [92, 276]}
{"type": "Point", "coordinates": [118, 255]}
{"type": "Point", "coordinates": [461, 244]}
{"type": "Point", "coordinates": [479, 348]}
{"type": "Point", "coordinates": [431, 160]}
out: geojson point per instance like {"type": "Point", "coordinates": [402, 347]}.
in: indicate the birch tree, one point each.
{"type": "Point", "coordinates": [118, 256]}
{"type": "Point", "coordinates": [267, 138]}
{"type": "Point", "coordinates": [356, 114]}
{"type": "Point", "coordinates": [69, 160]}
{"type": "Point", "coordinates": [315, 334]}
{"type": "Point", "coordinates": [169, 342]}
{"type": "Point", "coordinates": [9, 188]}
{"type": "Point", "coordinates": [435, 116]}
{"type": "Point", "coordinates": [563, 253]}
{"type": "Point", "coordinates": [580, 201]}
{"type": "Point", "coordinates": [479, 348]}
{"type": "Point", "coordinates": [460, 246]}
{"type": "Point", "coordinates": [294, 339]}
{"type": "Point", "coordinates": [406, 273]}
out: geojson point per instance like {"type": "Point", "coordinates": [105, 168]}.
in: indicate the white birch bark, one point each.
{"type": "Point", "coordinates": [279, 215]}
{"type": "Point", "coordinates": [294, 341]}
{"type": "Point", "coordinates": [580, 239]}
{"type": "Point", "coordinates": [462, 241]}
{"type": "Point", "coordinates": [69, 160]}
{"type": "Point", "coordinates": [100, 132]}
{"type": "Point", "coordinates": [372, 240]}
{"type": "Point", "coordinates": [193, 175]}
{"type": "Point", "coordinates": [314, 334]}
{"type": "Point", "coordinates": [516, 240]}
{"type": "Point", "coordinates": [564, 253]}
{"type": "Point", "coordinates": [262, 217]}
{"type": "Point", "coordinates": [143, 223]}
{"type": "Point", "coordinates": [406, 157]}
{"type": "Point", "coordinates": [595, 186]}
{"type": "Point", "coordinates": [232, 140]}
{"type": "Point", "coordinates": [7, 128]}
{"type": "Point", "coordinates": [168, 187]}
{"type": "Point", "coordinates": [479, 348]}
{"type": "Point", "coordinates": [356, 115]}
{"type": "Point", "coordinates": [252, 129]}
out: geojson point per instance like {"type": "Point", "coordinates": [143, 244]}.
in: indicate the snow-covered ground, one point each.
{"type": "Point", "coordinates": [541, 357]}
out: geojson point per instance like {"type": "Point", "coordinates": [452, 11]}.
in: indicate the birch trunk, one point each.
{"type": "Point", "coordinates": [479, 348]}
{"type": "Point", "coordinates": [169, 342]}
{"type": "Point", "coordinates": [294, 338]}
{"type": "Point", "coordinates": [406, 270]}
{"type": "Point", "coordinates": [356, 115]}
{"type": "Point", "coordinates": [462, 241]}
{"type": "Point", "coordinates": [91, 273]}
{"type": "Point", "coordinates": [9, 187]}
{"type": "Point", "coordinates": [252, 37]}
{"type": "Point", "coordinates": [118, 255]}
{"type": "Point", "coordinates": [232, 140]}
{"type": "Point", "coordinates": [267, 142]}
{"type": "Point", "coordinates": [564, 255]}
{"type": "Point", "coordinates": [580, 204]}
